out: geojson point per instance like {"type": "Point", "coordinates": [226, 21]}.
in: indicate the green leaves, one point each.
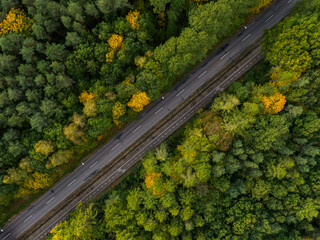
{"type": "Point", "coordinates": [308, 209]}
{"type": "Point", "coordinates": [296, 47]}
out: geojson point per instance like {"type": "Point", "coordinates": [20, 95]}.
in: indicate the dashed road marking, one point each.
{"type": "Point", "coordinates": [94, 163]}
{"type": "Point", "coordinates": [136, 129]}
{"type": "Point", "coordinates": [50, 200]}
{"type": "Point", "coordinates": [180, 92]}
{"type": "Point", "coordinates": [268, 18]}
{"type": "Point", "coordinates": [7, 236]}
{"type": "Point", "coordinates": [224, 56]}
{"type": "Point", "coordinates": [158, 110]}
{"type": "Point", "coordinates": [108, 179]}
{"type": "Point", "coordinates": [115, 146]}
{"type": "Point", "coordinates": [28, 218]}
{"type": "Point", "coordinates": [202, 74]}
{"type": "Point", "coordinates": [246, 37]}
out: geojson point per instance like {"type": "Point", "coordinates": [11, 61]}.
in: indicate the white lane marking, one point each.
{"type": "Point", "coordinates": [50, 200]}
{"type": "Point", "coordinates": [289, 1]}
{"type": "Point", "coordinates": [28, 218]}
{"type": "Point", "coordinates": [224, 56]}
{"type": "Point", "coordinates": [93, 164]}
{"type": "Point", "coordinates": [180, 92]}
{"type": "Point", "coordinates": [268, 18]}
{"type": "Point", "coordinates": [71, 182]}
{"type": "Point", "coordinates": [7, 236]}
{"type": "Point", "coordinates": [246, 37]}
{"type": "Point", "coordinates": [202, 74]}
{"type": "Point", "coordinates": [158, 110]}
{"type": "Point", "coordinates": [136, 128]}
{"type": "Point", "coordinates": [138, 153]}
{"type": "Point", "coordinates": [115, 146]}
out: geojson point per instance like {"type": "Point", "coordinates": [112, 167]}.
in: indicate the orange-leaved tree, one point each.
{"type": "Point", "coordinates": [274, 103]}
{"type": "Point", "coordinates": [16, 21]}
{"type": "Point", "coordinates": [133, 19]}
{"type": "Point", "coordinates": [138, 101]}
{"type": "Point", "coordinates": [86, 96]}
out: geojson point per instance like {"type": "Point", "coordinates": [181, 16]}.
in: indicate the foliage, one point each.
{"type": "Point", "coordinates": [118, 110]}
{"type": "Point", "coordinates": [38, 180]}
{"type": "Point", "coordinates": [62, 69]}
{"type": "Point", "coordinates": [274, 103]}
{"type": "Point", "coordinates": [16, 21]}
{"type": "Point", "coordinates": [262, 183]}
{"type": "Point", "coordinates": [115, 41]}
{"type": "Point", "coordinates": [90, 108]}
{"type": "Point", "coordinates": [45, 147]}
{"type": "Point", "coordinates": [138, 101]}
{"type": "Point", "coordinates": [58, 158]}
{"type": "Point", "coordinates": [86, 96]}
{"type": "Point", "coordinates": [133, 19]}
{"type": "Point", "coordinates": [296, 47]}
{"type": "Point", "coordinates": [261, 4]}
{"type": "Point", "coordinates": [80, 228]}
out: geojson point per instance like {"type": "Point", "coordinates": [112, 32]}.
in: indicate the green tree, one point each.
{"type": "Point", "coordinates": [58, 158]}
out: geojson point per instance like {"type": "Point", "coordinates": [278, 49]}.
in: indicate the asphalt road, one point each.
{"type": "Point", "coordinates": [147, 120]}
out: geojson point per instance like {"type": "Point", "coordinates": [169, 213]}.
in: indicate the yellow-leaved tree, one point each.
{"type": "Point", "coordinates": [151, 181]}
{"type": "Point", "coordinates": [58, 158]}
{"type": "Point", "coordinates": [138, 101]}
{"type": "Point", "coordinates": [44, 146]}
{"type": "Point", "coordinates": [74, 131]}
{"type": "Point", "coordinates": [274, 103]}
{"type": "Point", "coordinates": [86, 96]}
{"type": "Point", "coordinates": [118, 110]}
{"type": "Point", "coordinates": [282, 77]}
{"type": "Point", "coordinates": [14, 175]}
{"type": "Point", "coordinates": [261, 4]}
{"type": "Point", "coordinates": [109, 56]}
{"type": "Point", "coordinates": [15, 21]}
{"type": "Point", "coordinates": [37, 181]}
{"type": "Point", "coordinates": [115, 42]}
{"type": "Point", "coordinates": [133, 19]}
{"type": "Point", "coordinates": [90, 106]}
{"type": "Point", "coordinates": [25, 164]}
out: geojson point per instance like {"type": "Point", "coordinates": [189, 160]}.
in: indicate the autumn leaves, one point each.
{"type": "Point", "coordinates": [137, 103]}
{"type": "Point", "coordinates": [116, 41]}
{"type": "Point", "coordinates": [16, 21]}
{"type": "Point", "coordinates": [139, 99]}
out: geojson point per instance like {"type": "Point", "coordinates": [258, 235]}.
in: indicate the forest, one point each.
{"type": "Point", "coordinates": [245, 167]}
{"type": "Point", "coordinates": [73, 72]}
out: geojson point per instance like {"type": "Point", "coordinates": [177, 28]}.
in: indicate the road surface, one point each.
{"type": "Point", "coordinates": [148, 120]}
